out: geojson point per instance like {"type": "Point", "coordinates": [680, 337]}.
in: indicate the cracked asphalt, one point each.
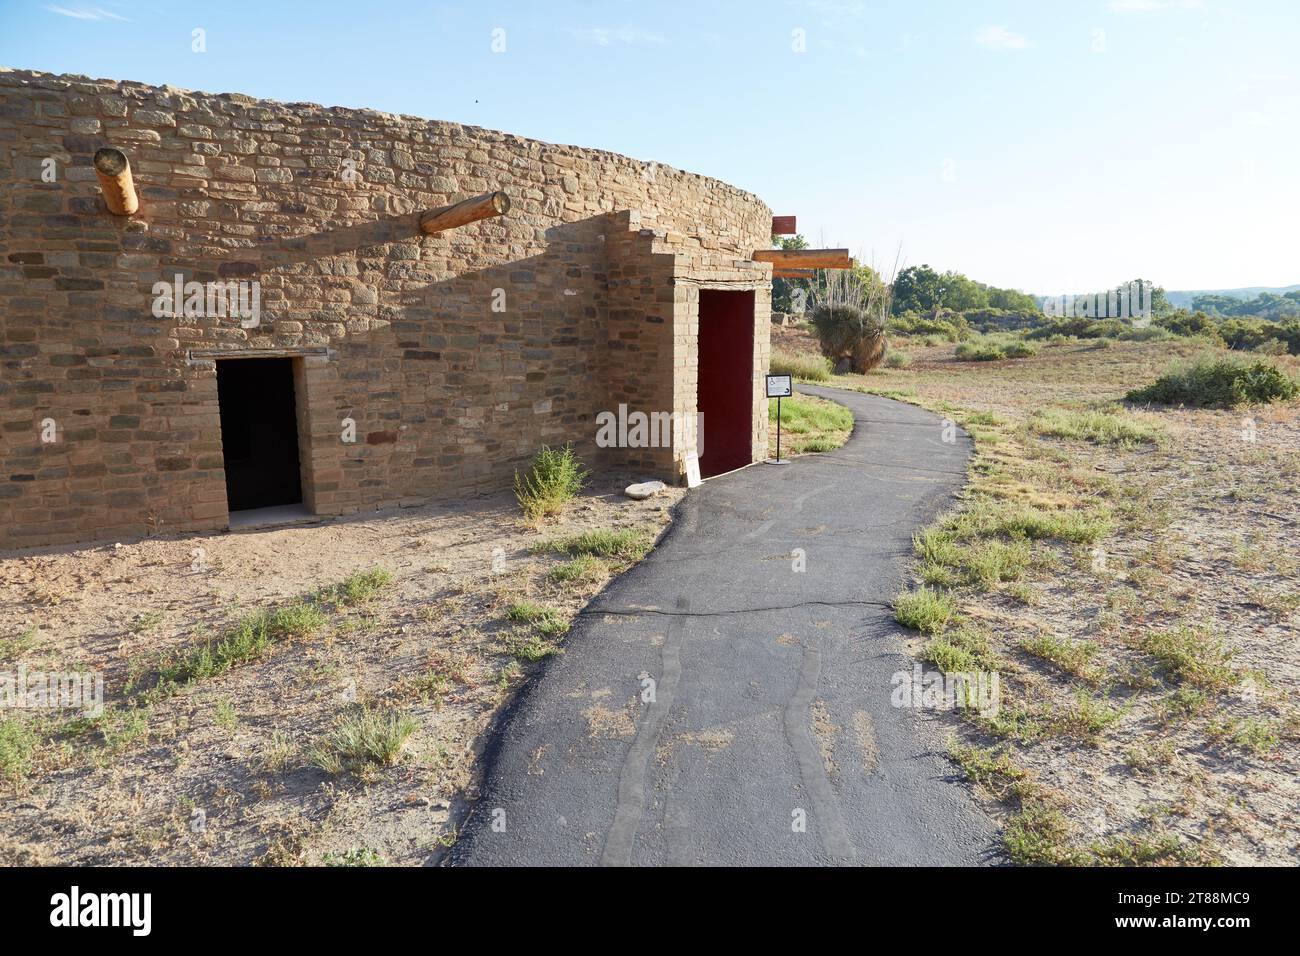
{"type": "Point", "coordinates": [714, 698]}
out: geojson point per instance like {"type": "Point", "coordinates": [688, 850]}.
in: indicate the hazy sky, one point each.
{"type": "Point", "coordinates": [1046, 145]}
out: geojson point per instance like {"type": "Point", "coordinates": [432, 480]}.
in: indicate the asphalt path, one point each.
{"type": "Point", "coordinates": [728, 701]}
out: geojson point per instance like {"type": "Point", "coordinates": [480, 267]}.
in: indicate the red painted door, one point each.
{"type": "Point", "coordinates": [726, 379]}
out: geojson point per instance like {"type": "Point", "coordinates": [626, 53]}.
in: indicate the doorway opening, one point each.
{"type": "Point", "coordinates": [259, 433]}
{"type": "Point", "coordinates": [725, 383]}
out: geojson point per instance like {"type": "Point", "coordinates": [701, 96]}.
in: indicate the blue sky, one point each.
{"type": "Point", "coordinates": [1049, 146]}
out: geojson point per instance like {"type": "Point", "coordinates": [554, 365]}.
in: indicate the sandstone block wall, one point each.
{"type": "Point", "coordinates": [598, 266]}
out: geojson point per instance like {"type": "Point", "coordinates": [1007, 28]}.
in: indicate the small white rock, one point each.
{"type": "Point", "coordinates": [644, 489]}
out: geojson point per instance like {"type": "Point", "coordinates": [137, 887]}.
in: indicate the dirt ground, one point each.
{"type": "Point", "coordinates": [1205, 526]}
{"type": "Point", "coordinates": [219, 771]}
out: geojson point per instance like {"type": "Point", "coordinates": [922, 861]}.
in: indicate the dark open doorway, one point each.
{"type": "Point", "coordinates": [725, 389]}
{"type": "Point", "coordinates": [259, 432]}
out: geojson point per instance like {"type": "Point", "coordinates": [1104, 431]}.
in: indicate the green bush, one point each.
{"type": "Point", "coordinates": [1215, 382]}
{"type": "Point", "coordinates": [1080, 328]}
{"type": "Point", "coordinates": [1190, 324]}
{"type": "Point", "coordinates": [898, 360]}
{"type": "Point", "coordinates": [555, 478]}
{"type": "Point", "coordinates": [1272, 347]}
{"type": "Point", "coordinates": [1019, 349]}
{"type": "Point", "coordinates": [362, 738]}
{"type": "Point", "coordinates": [357, 588]}
{"type": "Point", "coordinates": [1261, 335]}
{"type": "Point", "coordinates": [995, 346]}
{"type": "Point", "coordinates": [17, 742]}
{"type": "Point", "coordinates": [948, 326]}
{"type": "Point", "coordinates": [1146, 333]}
{"type": "Point", "coordinates": [806, 368]}
{"type": "Point", "coordinates": [924, 610]}
{"type": "Point", "coordinates": [979, 351]}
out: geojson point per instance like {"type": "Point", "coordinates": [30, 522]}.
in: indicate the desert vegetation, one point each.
{"type": "Point", "coordinates": [550, 483]}
{"type": "Point", "coordinates": [808, 424]}
{"type": "Point", "coordinates": [1121, 557]}
{"type": "Point", "coordinates": [307, 695]}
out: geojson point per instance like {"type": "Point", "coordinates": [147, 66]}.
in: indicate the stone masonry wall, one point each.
{"type": "Point", "coordinates": [598, 260]}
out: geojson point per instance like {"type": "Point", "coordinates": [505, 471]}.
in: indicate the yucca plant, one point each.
{"type": "Point", "coordinates": [849, 317]}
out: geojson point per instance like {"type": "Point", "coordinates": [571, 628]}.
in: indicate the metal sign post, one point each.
{"type": "Point", "coordinates": [779, 387]}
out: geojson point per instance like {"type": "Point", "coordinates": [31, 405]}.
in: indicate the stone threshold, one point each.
{"type": "Point", "coordinates": [270, 517]}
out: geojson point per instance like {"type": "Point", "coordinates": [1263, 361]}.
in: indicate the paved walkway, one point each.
{"type": "Point", "coordinates": [771, 687]}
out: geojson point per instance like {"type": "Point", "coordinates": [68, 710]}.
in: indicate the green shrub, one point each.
{"type": "Point", "coordinates": [1190, 325]}
{"type": "Point", "coordinates": [1019, 349]}
{"type": "Point", "coordinates": [297, 620]}
{"type": "Point", "coordinates": [1146, 333]}
{"type": "Point", "coordinates": [923, 610]}
{"type": "Point", "coordinates": [1039, 835]}
{"type": "Point", "coordinates": [555, 478]}
{"type": "Point", "coordinates": [1193, 657]}
{"type": "Point", "coordinates": [979, 351]}
{"type": "Point", "coordinates": [1272, 347]}
{"type": "Point", "coordinates": [1219, 382]}
{"type": "Point", "coordinates": [12, 647]}
{"type": "Point", "coordinates": [945, 326]}
{"type": "Point", "coordinates": [806, 368]}
{"type": "Point", "coordinates": [898, 360]}
{"type": "Point", "coordinates": [1261, 335]}
{"type": "Point", "coordinates": [365, 736]}
{"type": "Point", "coordinates": [17, 741]}
{"type": "Point", "coordinates": [246, 641]}
{"type": "Point", "coordinates": [363, 856]}
{"type": "Point", "coordinates": [994, 346]}
{"type": "Point", "coordinates": [358, 588]}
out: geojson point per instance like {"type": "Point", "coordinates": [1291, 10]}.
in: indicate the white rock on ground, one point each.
{"type": "Point", "coordinates": [644, 489]}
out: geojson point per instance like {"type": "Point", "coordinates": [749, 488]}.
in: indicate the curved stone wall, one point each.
{"type": "Point", "coordinates": [455, 355]}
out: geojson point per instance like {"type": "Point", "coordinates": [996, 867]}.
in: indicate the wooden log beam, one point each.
{"type": "Point", "coordinates": [783, 226]}
{"type": "Point", "coordinates": [462, 213]}
{"type": "Point", "coordinates": [805, 258]}
{"type": "Point", "coordinates": [793, 273]}
{"type": "Point", "coordinates": [114, 172]}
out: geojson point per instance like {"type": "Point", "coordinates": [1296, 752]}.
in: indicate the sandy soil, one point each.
{"type": "Point", "coordinates": [218, 773]}
{"type": "Point", "coordinates": [1205, 537]}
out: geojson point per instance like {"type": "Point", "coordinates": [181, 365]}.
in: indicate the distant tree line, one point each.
{"type": "Point", "coordinates": [948, 305]}
{"type": "Point", "coordinates": [1266, 305]}
{"type": "Point", "coordinates": [922, 289]}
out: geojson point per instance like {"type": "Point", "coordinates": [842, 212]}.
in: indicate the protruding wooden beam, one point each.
{"type": "Point", "coordinates": [793, 273]}
{"type": "Point", "coordinates": [461, 213]}
{"type": "Point", "coordinates": [783, 226]}
{"type": "Point", "coordinates": [805, 258]}
{"type": "Point", "coordinates": [114, 172]}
